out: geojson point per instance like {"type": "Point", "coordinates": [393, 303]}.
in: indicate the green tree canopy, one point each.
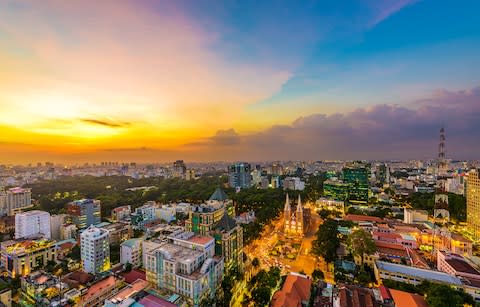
{"type": "Point", "coordinates": [360, 243]}
{"type": "Point", "coordinates": [327, 240]}
{"type": "Point", "coordinates": [261, 296]}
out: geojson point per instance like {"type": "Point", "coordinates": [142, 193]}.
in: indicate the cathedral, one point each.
{"type": "Point", "coordinates": [293, 221]}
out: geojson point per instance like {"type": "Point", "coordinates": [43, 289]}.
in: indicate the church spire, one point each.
{"type": "Point", "coordinates": [299, 205]}
{"type": "Point", "coordinates": [287, 204]}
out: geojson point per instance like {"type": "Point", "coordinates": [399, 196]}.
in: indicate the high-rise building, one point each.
{"type": "Point", "coordinates": [356, 174]}
{"type": "Point", "coordinates": [56, 224]}
{"type": "Point", "coordinates": [179, 169]}
{"type": "Point", "coordinates": [336, 190]}
{"type": "Point", "coordinates": [239, 175]}
{"type": "Point", "coordinates": [215, 218]}
{"type": "Point", "coordinates": [440, 210]}
{"type": "Point", "coordinates": [85, 212]}
{"type": "Point", "coordinates": [15, 200]}
{"type": "Point", "coordinates": [186, 264]}
{"type": "Point", "coordinates": [473, 203]}
{"type": "Point", "coordinates": [34, 223]}
{"type": "Point", "coordinates": [95, 250]}
{"type": "Point", "coordinates": [382, 173]}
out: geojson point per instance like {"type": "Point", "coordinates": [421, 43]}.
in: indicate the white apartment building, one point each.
{"type": "Point", "coordinates": [34, 223]}
{"type": "Point", "coordinates": [184, 264]}
{"type": "Point", "coordinates": [131, 252]}
{"type": "Point", "coordinates": [95, 250]}
{"type": "Point", "coordinates": [14, 200]}
{"type": "Point", "coordinates": [56, 223]}
{"type": "Point", "coordinates": [166, 213]}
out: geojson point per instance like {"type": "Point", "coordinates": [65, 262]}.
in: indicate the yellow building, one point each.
{"type": "Point", "coordinates": [20, 257]}
{"type": "Point", "coordinates": [473, 203]}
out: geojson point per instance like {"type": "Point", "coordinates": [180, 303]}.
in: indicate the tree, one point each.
{"type": "Point", "coordinates": [361, 243]}
{"type": "Point", "coordinates": [114, 253]}
{"type": "Point", "coordinates": [327, 241]}
{"type": "Point", "coordinates": [443, 295]}
{"type": "Point", "coordinates": [324, 213]}
{"type": "Point", "coordinates": [50, 267]}
{"type": "Point", "coordinates": [261, 296]}
{"type": "Point", "coordinates": [75, 254]}
{"type": "Point", "coordinates": [128, 267]}
{"type": "Point", "coordinates": [436, 294]}
{"type": "Point", "coordinates": [317, 275]}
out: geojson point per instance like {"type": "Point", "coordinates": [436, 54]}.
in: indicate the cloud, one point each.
{"type": "Point", "coordinates": [222, 138]}
{"type": "Point", "coordinates": [226, 137]}
{"type": "Point", "coordinates": [105, 123]}
{"type": "Point", "coordinates": [378, 132]}
{"type": "Point", "coordinates": [123, 60]}
{"type": "Point", "coordinates": [128, 149]}
{"type": "Point", "coordinates": [385, 9]}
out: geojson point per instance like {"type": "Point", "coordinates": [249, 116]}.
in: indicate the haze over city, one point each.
{"type": "Point", "coordinates": [154, 81]}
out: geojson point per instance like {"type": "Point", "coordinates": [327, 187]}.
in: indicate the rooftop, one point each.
{"type": "Point", "coordinates": [94, 231]}
{"type": "Point", "coordinates": [462, 266]}
{"type": "Point", "coordinates": [295, 290]}
{"type": "Point", "coordinates": [460, 238]}
{"type": "Point", "coordinates": [121, 208]}
{"type": "Point", "coordinates": [18, 190]}
{"type": "Point", "coordinates": [360, 218]}
{"type": "Point", "coordinates": [179, 253]}
{"type": "Point", "coordinates": [33, 213]}
{"type": "Point", "coordinates": [201, 239]}
{"type": "Point", "coordinates": [219, 195]}
{"type": "Point", "coordinates": [133, 276]}
{"type": "Point", "coordinates": [130, 290]}
{"type": "Point", "coordinates": [24, 246]}
{"type": "Point", "coordinates": [226, 223]}
{"type": "Point", "coordinates": [83, 201]}
{"type": "Point", "coordinates": [99, 287]}
{"type": "Point", "coordinates": [131, 242]}
{"type": "Point", "coordinates": [417, 272]}
{"type": "Point", "coordinates": [155, 301]}
{"type": "Point", "coordinates": [405, 299]}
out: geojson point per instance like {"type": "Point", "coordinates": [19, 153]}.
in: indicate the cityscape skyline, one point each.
{"type": "Point", "coordinates": [86, 82]}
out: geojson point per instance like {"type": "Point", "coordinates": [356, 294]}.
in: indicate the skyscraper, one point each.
{"type": "Point", "coordinates": [95, 250]}
{"type": "Point", "coordinates": [85, 212]}
{"type": "Point", "coordinates": [356, 174]}
{"type": "Point", "coordinates": [179, 169]}
{"type": "Point", "coordinates": [440, 211]}
{"type": "Point", "coordinates": [239, 175]}
{"type": "Point", "coordinates": [473, 203]}
{"type": "Point", "coordinates": [34, 223]}
{"type": "Point", "coordinates": [215, 218]}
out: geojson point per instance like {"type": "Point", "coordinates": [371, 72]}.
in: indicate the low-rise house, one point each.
{"type": "Point", "coordinates": [42, 289]}
{"type": "Point", "coordinates": [295, 292]}
{"type": "Point", "coordinates": [99, 291]}
{"type": "Point", "coordinates": [20, 257]}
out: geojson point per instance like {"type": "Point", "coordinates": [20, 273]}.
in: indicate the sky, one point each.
{"type": "Point", "coordinates": [155, 81]}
